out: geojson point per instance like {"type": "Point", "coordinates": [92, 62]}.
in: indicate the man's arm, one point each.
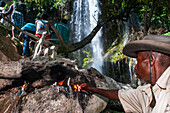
{"type": "Point", "coordinates": [111, 94]}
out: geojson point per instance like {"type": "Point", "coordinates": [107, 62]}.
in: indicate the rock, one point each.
{"type": "Point", "coordinates": [8, 52]}
{"type": "Point", "coordinates": [5, 82]}
{"type": "Point", "coordinates": [48, 100]}
{"type": "Point", "coordinates": [43, 96]}
{"type": "Point", "coordinates": [10, 69]}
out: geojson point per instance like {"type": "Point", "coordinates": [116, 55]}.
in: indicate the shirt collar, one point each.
{"type": "Point", "coordinates": [164, 80]}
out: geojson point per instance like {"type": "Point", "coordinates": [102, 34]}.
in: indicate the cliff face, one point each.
{"type": "Point", "coordinates": [8, 51]}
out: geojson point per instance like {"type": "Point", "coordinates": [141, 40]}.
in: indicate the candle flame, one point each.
{"type": "Point", "coordinates": [76, 87]}
{"type": "Point", "coordinates": [61, 82]}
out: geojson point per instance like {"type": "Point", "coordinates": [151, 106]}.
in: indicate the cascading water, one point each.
{"type": "Point", "coordinates": [84, 19]}
{"type": "Point", "coordinates": [121, 68]}
{"type": "Point", "coordinates": [96, 43]}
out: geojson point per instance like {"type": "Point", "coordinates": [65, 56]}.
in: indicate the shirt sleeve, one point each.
{"type": "Point", "coordinates": [130, 100]}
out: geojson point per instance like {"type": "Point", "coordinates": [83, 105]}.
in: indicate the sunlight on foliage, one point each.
{"type": "Point", "coordinates": [116, 52]}
{"type": "Point", "coordinates": [118, 55]}
{"type": "Point", "coordinates": [167, 34]}
{"type": "Point", "coordinates": [86, 61]}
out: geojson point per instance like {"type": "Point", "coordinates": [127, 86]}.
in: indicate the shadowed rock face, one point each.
{"type": "Point", "coordinates": [8, 52]}
{"type": "Point", "coordinates": [42, 96]}
{"type": "Point", "coordinates": [50, 72]}
{"type": "Point", "coordinates": [31, 71]}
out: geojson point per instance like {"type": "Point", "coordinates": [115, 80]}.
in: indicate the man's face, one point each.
{"type": "Point", "coordinates": [142, 67]}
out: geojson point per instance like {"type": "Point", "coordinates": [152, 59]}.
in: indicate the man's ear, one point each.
{"type": "Point", "coordinates": [153, 59]}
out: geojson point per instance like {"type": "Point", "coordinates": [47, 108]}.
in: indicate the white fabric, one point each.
{"type": "Point", "coordinates": [139, 100]}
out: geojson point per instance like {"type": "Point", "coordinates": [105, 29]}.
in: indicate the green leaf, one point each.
{"type": "Point", "coordinates": [85, 59]}
{"type": "Point", "coordinates": [123, 3]}
{"type": "Point", "coordinates": [167, 34]}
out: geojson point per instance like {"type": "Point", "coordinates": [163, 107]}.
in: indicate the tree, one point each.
{"type": "Point", "coordinates": [154, 13]}
{"type": "Point", "coordinates": [114, 10]}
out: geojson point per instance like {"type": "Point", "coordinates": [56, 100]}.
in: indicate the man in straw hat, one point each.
{"type": "Point", "coordinates": [153, 68]}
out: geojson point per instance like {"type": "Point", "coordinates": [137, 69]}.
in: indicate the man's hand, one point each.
{"type": "Point", "coordinates": [84, 87]}
{"type": "Point", "coordinates": [111, 94]}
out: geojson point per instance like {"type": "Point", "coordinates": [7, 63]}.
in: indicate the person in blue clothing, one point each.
{"type": "Point", "coordinates": [17, 11]}
{"type": "Point", "coordinates": [31, 28]}
{"type": "Point", "coordinates": [42, 26]}
{"type": "Point", "coordinates": [2, 10]}
{"type": "Point", "coordinates": [64, 31]}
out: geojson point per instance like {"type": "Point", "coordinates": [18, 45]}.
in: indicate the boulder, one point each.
{"type": "Point", "coordinates": [8, 52]}
{"type": "Point", "coordinates": [43, 93]}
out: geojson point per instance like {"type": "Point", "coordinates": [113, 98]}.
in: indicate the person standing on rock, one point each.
{"type": "Point", "coordinates": [2, 10]}
{"type": "Point", "coordinates": [64, 31]}
{"type": "Point", "coordinates": [42, 26]}
{"type": "Point", "coordinates": [18, 15]}
{"type": "Point", "coordinates": [31, 28]}
{"type": "Point", "coordinates": [153, 68]}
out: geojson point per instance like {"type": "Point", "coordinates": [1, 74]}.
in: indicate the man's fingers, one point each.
{"type": "Point", "coordinates": [83, 85]}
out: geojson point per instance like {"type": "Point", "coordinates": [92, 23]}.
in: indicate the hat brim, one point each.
{"type": "Point", "coordinates": [132, 48]}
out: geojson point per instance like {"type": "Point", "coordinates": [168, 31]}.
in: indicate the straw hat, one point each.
{"type": "Point", "coordinates": [157, 43]}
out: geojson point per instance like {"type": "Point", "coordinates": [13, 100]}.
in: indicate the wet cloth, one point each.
{"type": "Point", "coordinates": [139, 100]}
{"type": "Point", "coordinates": [64, 31]}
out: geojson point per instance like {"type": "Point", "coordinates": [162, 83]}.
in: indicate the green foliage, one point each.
{"type": "Point", "coordinates": [121, 9]}
{"type": "Point", "coordinates": [156, 12]}
{"type": "Point", "coordinates": [123, 3]}
{"type": "Point", "coordinates": [86, 61]}
{"type": "Point", "coordinates": [116, 52]}
{"type": "Point", "coordinates": [167, 34]}
{"type": "Point", "coordinates": [75, 55]}
{"type": "Point", "coordinates": [117, 9]}
{"type": "Point", "coordinates": [3, 29]}
{"type": "Point", "coordinates": [159, 18]}
{"type": "Point", "coordinates": [47, 6]}
{"type": "Point", "coordinates": [114, 11]}
{"type": "Point", "coordinates": [118, 55]}
{"type": "Point", "coordinates": [60, 3]}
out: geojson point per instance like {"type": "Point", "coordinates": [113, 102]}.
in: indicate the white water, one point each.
{"type": "Point", "coordinates": [84, 19]}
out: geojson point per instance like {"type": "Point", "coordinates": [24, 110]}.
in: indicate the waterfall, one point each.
{"type": "Point", "coordinates": [83, 19]}
{"type": "Point", "coordinates": [96, 43]}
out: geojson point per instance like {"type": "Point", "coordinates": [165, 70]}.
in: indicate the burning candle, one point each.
{"type": "Point", "coordinates": [76, 88]}
{"type": "Point", "coordinates": [61, 82]}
